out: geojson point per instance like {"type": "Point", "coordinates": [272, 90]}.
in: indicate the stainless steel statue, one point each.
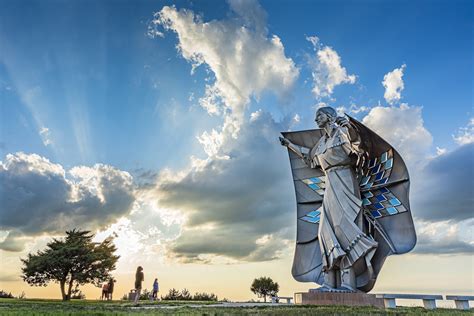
{"type": "Point", "coordinates": [352, 203]}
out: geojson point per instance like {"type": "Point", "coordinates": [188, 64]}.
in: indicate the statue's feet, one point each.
{"type": "Point", "coordinates": [328, 289]}
{"type": "Point", "coordinates": [323, 288]}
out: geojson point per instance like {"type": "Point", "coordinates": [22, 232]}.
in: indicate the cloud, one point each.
{"type": "Point", "coordinates": [445, 189]}
{"type": "Point", "coordinates": [403, 127]}
{"type": "Point", "coordinates": [14, 241]}
{"type": "Point", "coordinates": [243, 58]}
{"type": "Point", "coordinates": [444, 237]}
{"type": "Point", "coordinates": [40, 197]}
{"type": "Point", "coordinates": [9, 277]}
{"type": "Point", "coordinates": [393, 83]}
{"type": "Point", "coordinates": [327, 70]}
{"type": "Point", "coordinates": [232, 202]}
{"type": "Point", "coordinates": [45, 135]}
{"type": "Point", "coordinates": [465, 134]}
{"type": "Point", "coordinates": [352, 109]}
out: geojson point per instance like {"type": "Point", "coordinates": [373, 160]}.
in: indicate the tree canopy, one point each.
{"type": "Point", "coordinates": [264, 287]}
{"type": "Point", "coordinates": [73, 260]}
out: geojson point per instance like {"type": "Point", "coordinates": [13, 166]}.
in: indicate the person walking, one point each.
{"type": "Point", "coordinates": [154, 295]}
{"type": "Point", "coordinates": [139, 278]}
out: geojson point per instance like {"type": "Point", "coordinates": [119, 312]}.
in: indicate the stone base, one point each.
{"type": "Point", "coordinates": [328, 298]}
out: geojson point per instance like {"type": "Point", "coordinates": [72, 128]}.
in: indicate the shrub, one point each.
{"type": "Point", "coordinates": [145, 295]}
{"type": "Point", "coordinates": [4, 294]}
{"type": "Point", "coordinates": [173, 295]}
{"type": "Point", "coordinates": [185, 295]}
{"type": "Point", "coordinates": [204, 297]}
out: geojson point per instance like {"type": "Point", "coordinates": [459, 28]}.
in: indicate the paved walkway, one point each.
{"type": "Point", "coordinates": [223, 305]}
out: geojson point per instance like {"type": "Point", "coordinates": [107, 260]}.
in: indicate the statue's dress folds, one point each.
{"type": "Point", "coordinates": [341, 234]}
{"type": "Point", "coordinates": [352, 200]}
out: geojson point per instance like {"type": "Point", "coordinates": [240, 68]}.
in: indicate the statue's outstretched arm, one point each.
{"type": "Point", "coordinates": [296, 149]}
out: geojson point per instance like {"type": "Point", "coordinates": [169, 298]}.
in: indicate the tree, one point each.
{"type": "Point", "coordinates": [264, 287]}
{"type": "Point", "coordinates": [73, 260]}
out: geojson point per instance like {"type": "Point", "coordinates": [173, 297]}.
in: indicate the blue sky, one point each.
{"type": "Point", "coordinates": [101, 98]}
{"type": "Point", "coordinates": [91, 65]}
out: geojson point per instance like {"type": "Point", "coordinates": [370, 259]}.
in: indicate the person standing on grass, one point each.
{"type": "Point", "coordinates": [105, 291]}
{"type": "Point", "coordinates": [111, 288]}
{"type": "Point", "coordinates": [139, 277]}
{"type": "Point", "coordinates": [154, 295]}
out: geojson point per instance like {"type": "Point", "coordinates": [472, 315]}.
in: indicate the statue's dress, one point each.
{"type": "Point", "coordinates": [341, 233]}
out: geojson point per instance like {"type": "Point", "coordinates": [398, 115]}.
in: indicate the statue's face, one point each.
{"type": "Point", "coordinates": [321, 119]}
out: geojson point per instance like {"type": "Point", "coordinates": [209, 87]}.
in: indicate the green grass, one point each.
{"type": "Point", "coordinates": [15, 307]}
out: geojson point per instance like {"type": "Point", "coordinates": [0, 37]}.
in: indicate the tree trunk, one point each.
{"type": "Point", "coordinates": [69, 289]}
{"type": "Point", "coordinates": [265, 298]}
{"type": "Point", "coordinates": [63, 293]}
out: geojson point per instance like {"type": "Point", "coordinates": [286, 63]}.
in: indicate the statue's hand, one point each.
{"type": "Point", "coordinates": [342, 121]}
{"type": "Point", "coordinates": [284, 142]}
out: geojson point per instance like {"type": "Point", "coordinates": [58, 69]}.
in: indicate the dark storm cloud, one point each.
{"type": "Point", "coordinates": [39, 197]}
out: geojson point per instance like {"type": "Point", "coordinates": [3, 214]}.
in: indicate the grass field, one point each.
{"type": "Point", "coordinates": [89, 307]}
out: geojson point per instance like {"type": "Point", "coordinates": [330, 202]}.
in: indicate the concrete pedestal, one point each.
{"type": "Point", "coordinates": [348, 299]}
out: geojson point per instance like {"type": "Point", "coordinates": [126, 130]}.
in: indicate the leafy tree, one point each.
{"type": "Point", "coordinates": [73, 260]}
{"type": "Point", "coordinates": [264, 287]}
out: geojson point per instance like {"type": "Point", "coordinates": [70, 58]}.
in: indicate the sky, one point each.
{"type": "Point", "coordinates": [157, 122]}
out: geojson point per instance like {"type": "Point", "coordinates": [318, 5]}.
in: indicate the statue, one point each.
{"type": "Point", "coordinates": [352, 203]}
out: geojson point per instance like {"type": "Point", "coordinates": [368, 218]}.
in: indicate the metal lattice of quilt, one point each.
{"type": "Point", "coordinates": [378, 202]}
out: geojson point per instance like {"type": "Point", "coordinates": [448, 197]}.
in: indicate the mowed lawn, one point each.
{"type": "Point", "coordinates": [89, 307]}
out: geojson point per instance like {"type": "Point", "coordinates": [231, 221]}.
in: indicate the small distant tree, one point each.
{"type": "Point", "coordinates": [73, 260]}
{"type": "Point", "coordinates": [264, 287]}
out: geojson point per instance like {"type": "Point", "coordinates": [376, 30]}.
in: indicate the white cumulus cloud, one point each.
{"type": "Point", "coordinates": [243, 58]}
{"type": "Point", "coordinates": [327, 70]}
{"type": "Point", "coordinates": [403, 127]}
{"type": "Point", "coordinates": [393, 83]}
{"type": "Point", "coordinates": [465, 134]}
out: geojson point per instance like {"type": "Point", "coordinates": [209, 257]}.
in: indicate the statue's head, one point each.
{"type": "Point", "coordinates": [325, 115]}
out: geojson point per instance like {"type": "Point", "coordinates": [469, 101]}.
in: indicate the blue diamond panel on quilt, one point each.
{"type": "Point", "coordinates": [317, 184]}
{"type": "Point", "coordinates": [377, 170]}
{"type": "Point", "coordinates": [381, 202]}
{"type": "Point", "coordinates": [312, 217]}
